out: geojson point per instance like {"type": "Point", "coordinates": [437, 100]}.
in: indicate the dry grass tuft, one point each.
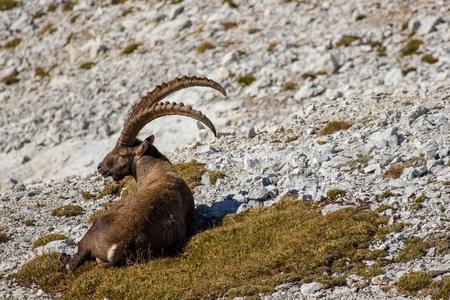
{"type": "Point", "coordinates": [205, 46]}
{"type": "Point", "coordinates": [131, 48]}
{"type": "Point", "coordinates": [334, 126]}
{"type": "Point", "coordinates": [413, 282]}
{"type": "Point", "coordinates": [7, 4]}
{"type": "Point", "coordinates": [67, 211]}
{"type": "Point", "coordinates": [191, 173]}
{"type": "Point", "coordinates": [44, 240]}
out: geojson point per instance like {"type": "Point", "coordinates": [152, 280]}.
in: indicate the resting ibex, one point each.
{"type": "Point", "coordinates": [157, 214]}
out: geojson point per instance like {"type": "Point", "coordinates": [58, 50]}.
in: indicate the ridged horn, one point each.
{"type": "Point", "coordinates": [165, 89]}
{"type": "Point", "coordinates": [158, 110]}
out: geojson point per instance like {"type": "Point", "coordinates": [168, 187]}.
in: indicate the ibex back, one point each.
{"type": "Point", "coordinates": [156, 216]}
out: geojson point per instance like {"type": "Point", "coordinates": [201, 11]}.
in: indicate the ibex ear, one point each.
{"type": "Point", "coordinates": [142, 148]}
{"type": "Point", "coordinates": [150, 139]}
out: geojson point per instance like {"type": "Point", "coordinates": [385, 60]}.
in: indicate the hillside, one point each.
{"type": "Point", "coordinates": [347, 106]}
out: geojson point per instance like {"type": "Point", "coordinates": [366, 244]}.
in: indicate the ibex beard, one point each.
{"type": "Point", "coordinates": [156, 216]}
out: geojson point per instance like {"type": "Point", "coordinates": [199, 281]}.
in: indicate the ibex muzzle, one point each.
{"type": "Point", "coordinates": [156, 216]}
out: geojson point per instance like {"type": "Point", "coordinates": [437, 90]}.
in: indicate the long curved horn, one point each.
{"type": "Point", "coordinates": [159, 110]}
{"type": "Point", "coordinates": [165, 89]}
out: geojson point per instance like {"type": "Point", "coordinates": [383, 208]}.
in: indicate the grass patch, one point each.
{"type": "Point", "coordinates": [123, 187]}
{"type": "Point", "coordinates": [48, 28]}
{"type": "Point", "coordinates": [381, 52]}
{"type": "Point", "coordinates": [29, 223]}
{"type": "Point", "coordinates": [247, 254]}
{"type": "Point", "coordinates": [411, 47]}
{"type": "Point", "coordinates": [320, 142]}
{"type": "Point", "coordinates": [384, 231]}
{"type": "Point", "coordinates": [413, 282]}
{"type": "Point", "coordinates": [335, 193]}
{"type": "Point", "coordinates": [246, 80]}
{"type": "Point", "coordinates": [409, 70]}
{"type": "Point", "coordinates": [131, 48]}
{"type": "Point", "coordinates": [387, 194]}
{"type": "Point", "coordinates": [335, 126]}
{"type": "Point", "coordinates": [87, 65]}
{"type": "Point", "coordinates": [253, 30]}
{"type": "Point", "coordinates": [67, 211]}
{"type": "Point", "coordinates": [229, 24]}
{"type": "Point", "coordinates": [429, 59]}
{"type": "Point", "coordinates": [384, 207]}
{"type": "Point", "coordinates": [291, 139]}
{"type": "Point", "coordinates": [441, 242]}
{"type": "Point", "coordinates": [442, 289]}
{"type": "Point", "coordinates": [346, 41]}
{"type": "Point", "coordinates": [360, 17]}
{"type": "Point", "coordinates": [13, 44]}
{"type": "Point", "coordinates": [87, 195]}
{"type": "Point", "coordinates": [288, 86]}
{"type": "Point", "coordinates": [191, 173]}
{"type": "Point", "coordinates": [205, 46]}
{"type": "Point", "coordinates": [44, 240]}
{"type": "Point", "coordinates": [413, 248]}
{"type": "Point", "coordinates": [97, 214]}
{"type": "Point", "coordinates": [41, 72]}
{"type": "Point", "coordinates": [68, 5]}
{"type": "Point", "coordinates": [116, 2]}
{"type": "Point", "coordinates": [10, 79]}
{"type": "Point", "coordinates": [230, 3]}
{"type": "Point", "coordinates": [7, 4]}
{"type": "Point", "coordinates": [213, 176]}
{"type": "Point", "coordinates": [3, 237]}
{"type": "Point", "coordinates": [395, 171]}
{"type": "Point", "coordinates": [271, 47]}
{"type": "Point", "coordinates": [127, 11]}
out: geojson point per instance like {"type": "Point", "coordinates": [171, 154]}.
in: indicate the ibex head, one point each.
{"type": "Point", "coordinates": [122, 160]}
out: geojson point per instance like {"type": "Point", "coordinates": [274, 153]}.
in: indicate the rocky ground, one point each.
{"type": "Point", "coordinates": [312, 61]}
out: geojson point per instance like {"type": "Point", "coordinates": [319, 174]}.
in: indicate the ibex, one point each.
{"type": "Point", "coordinates": [157, 214]}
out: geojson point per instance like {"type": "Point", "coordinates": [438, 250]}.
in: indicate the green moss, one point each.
{"type": "Point", "coordinates": [333, 194]}
{"type": "Point", "coordinates": [335, 126]}
{"type": "Point", "coordinates": [44, 240]}
{"type": "Point", "coordinates": [242, 256]}
{"type": "Point", "coordinates": [411, 47]}
{"type": "Point", "coordinates": [69, 210]}
{"type": "Point", "coordinates": [246, 80]}
{"type": "Point", "coordinates": [205, 46]}
{"type": "Point", "coordinates": [413, 282]}
{"type": "Point", "coordinates": [213, 176]}
{"type": "Point", "coordinates": [131, 48]}
{"type": "Point", "coordinates": [87, 65]}
{"type": "Point", "coordinates": [7, 4]}
{"type": "Point", "coordinates": [13, 44]}
{"type": "Point", "coordinates": [429, 59]}
{"type": "Point", "coordinates": [41, 72]}
{"type": "Point", "coordinates": [346, 41]}
{"type": "Point", "coordinates": [191, 173]}
{"type": "Point", "coordinates": [413, 248]}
